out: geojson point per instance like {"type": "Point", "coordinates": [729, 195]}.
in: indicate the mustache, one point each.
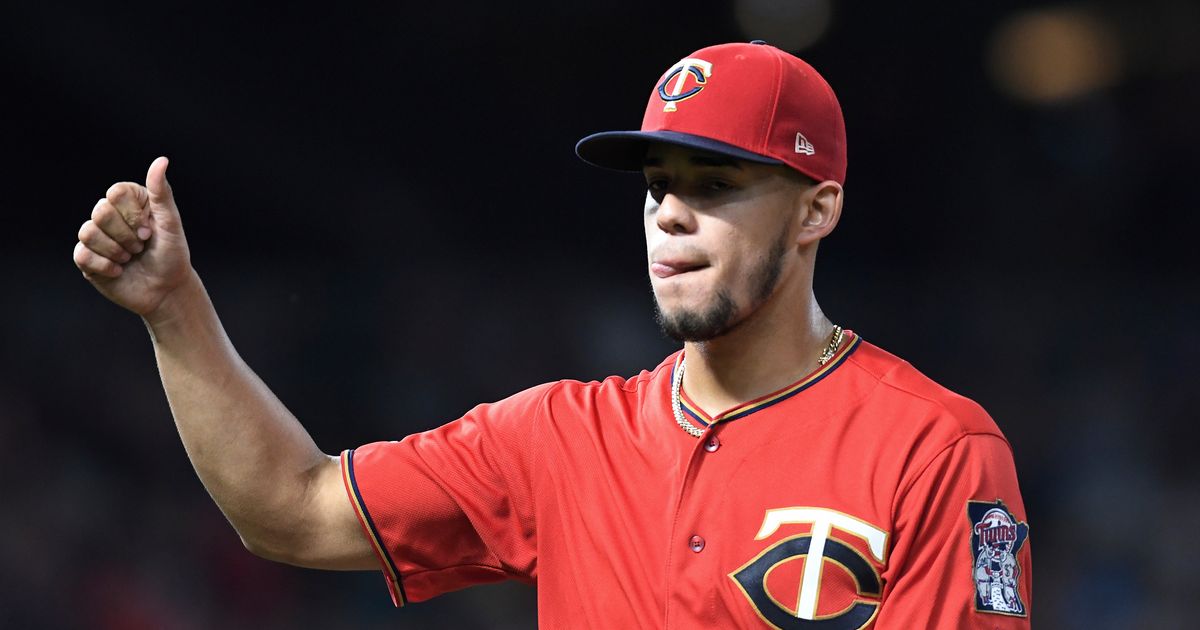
{"type": "Point", "coordinates": [678, 252]}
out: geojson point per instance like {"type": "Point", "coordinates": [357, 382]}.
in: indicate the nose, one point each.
{"type": "Point", "coordinates": [674, 216]}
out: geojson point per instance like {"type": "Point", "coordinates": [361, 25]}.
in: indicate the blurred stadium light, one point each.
{"type": "Point", "coordinates": [1052, 55]}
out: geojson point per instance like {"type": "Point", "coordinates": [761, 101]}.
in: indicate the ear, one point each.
{"type": "Point", "coordinates": [819, 207]}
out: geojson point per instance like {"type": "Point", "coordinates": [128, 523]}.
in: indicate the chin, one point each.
{"type": "Point", "coordinates": [700, 322]}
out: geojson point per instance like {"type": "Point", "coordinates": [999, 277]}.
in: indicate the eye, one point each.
{"type": "Point", "coordinates": [718, 185]}
{"type": "Point", "coordinates": [657, 188]}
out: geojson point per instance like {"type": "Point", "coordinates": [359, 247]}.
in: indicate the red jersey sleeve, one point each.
{"type": "Point", "coordinates": [453, 506]}
{"type": "Point", "coordinates": [961, 556]}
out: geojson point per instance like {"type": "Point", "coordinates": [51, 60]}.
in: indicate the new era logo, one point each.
{"type": "Point", "coordinates": [803, 145]}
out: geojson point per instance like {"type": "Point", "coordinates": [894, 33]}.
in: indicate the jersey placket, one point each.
{"type": "Point", "coordinates": [693, 561]}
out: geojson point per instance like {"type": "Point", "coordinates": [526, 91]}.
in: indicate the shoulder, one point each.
{"type": "Point", "coordinates": [568, 390]}
{"type": "Point", "coordinates": [917, 402]}
{"type": "Point", "coordinates": [923, 430]}
{"type": "Point", "coordinates": [569, 399]}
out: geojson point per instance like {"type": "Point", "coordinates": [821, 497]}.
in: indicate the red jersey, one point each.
{"type": "Point", "coordinates": [862, 496]}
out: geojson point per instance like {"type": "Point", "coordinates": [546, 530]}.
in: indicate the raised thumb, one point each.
{"type": "Point", "coordinates": [156, 182]}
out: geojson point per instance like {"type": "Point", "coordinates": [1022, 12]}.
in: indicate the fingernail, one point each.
{"type": "Point", "coordinates": [125, 257]}
{"type": "Point", "coordinates": [143, 232]}
{"type": "Point", "coordinates": [138, 247]}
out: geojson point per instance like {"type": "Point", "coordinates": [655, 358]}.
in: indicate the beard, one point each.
{"type": "Point", "coordinates": [721, 315]}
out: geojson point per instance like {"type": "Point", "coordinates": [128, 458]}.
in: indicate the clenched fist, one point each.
{"type": "Point", "coordinates": [133, 249]}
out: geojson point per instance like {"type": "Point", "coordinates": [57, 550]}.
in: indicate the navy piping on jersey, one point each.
{"type": "Point", "coordinates": [782, 394]}
{"type": "Point", "coordinates": [378, 540]}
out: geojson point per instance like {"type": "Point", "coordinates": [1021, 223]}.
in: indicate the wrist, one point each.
{"type": "Point", "coordinates": [178, 306]}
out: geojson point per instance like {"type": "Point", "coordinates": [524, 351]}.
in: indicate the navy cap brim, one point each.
{"type": "Point", "coordinates": [626, 150]}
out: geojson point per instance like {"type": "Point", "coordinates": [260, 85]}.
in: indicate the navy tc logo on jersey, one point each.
{"type": "Point", "coordinates": [671, 88]}
{"type": "Point", "coordinates": [821, 552]}
{"type": "Point", "coordinates": [996, 537]}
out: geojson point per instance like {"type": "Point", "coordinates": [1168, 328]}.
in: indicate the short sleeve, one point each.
{"type": "Point", "coordinates": [453, 506]}
{"type": "Point", "coordinates": [960, 557]}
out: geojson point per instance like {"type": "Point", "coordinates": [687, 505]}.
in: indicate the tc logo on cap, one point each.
{"type": "Point", "coordinates": [698, 69]}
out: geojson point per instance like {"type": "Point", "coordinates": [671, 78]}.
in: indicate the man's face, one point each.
{"type": "Point", "coordinates": [718, 232]}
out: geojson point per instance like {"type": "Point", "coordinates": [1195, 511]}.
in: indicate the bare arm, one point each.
{"type": "Point", "coordinates": [281, 493]}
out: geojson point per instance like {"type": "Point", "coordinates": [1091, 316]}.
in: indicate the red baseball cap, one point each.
{"type": "Point", "coordinates": [751, 101]}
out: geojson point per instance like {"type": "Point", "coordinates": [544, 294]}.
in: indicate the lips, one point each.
{"type": "Point", "coordinates": [669, 268]}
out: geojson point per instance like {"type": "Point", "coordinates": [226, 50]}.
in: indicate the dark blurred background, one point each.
{"type": "Point", "coordinates": [385, 206]}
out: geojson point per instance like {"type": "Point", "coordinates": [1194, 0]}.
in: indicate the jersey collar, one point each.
{"type": "Point", "coordinates": [697, 416]}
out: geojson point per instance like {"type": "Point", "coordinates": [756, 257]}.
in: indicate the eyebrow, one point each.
{"type": "Point", "coordinates": [699, 160]}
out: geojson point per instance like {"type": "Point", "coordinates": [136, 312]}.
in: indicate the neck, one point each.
{"type": "Point", "coordinates": [777, 345]}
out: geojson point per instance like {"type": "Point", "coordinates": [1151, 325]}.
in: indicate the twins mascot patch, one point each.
{"type": "Point", "coordinates": [996, 538]}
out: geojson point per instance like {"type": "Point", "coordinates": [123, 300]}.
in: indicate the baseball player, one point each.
{"type": "Point", "coordinates": [777, 471]}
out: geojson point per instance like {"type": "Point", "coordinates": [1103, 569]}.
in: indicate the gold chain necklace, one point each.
{"type": "Point", "coordinates": [835, 342]}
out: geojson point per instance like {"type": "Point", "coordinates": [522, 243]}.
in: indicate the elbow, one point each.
{"type": "Point", "coordinates": [274, 551]}
{"type": "Point", "coordinates": [258, 548]}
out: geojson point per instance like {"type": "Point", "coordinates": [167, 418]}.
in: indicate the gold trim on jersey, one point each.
{"type": "Point", "coordinates": [364, 518]}
{"type": "Point", "coordinates": [762, 402]}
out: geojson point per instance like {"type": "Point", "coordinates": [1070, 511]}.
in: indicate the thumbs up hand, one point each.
{"type": "Point", "coordinates": [133, 249]}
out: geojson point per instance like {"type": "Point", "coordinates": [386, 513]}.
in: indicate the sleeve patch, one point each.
{"type": "Point", "coordinates": [996, 539]}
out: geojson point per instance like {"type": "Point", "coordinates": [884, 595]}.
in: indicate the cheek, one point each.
{"type": "Point", "coordinates": [654, 236]}
{"type": "Point", "coordinates": [736, 269]}
{"type": "Point", "coordinates": [649, 221]}
{"type": "Point", "coordinates": [651, 205]}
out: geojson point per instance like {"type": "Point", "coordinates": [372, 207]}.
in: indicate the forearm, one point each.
{"type": "Point", "coordinates": [253, 456]}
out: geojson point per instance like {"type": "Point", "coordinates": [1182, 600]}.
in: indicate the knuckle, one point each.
{"type": "Point", "coordinates": [108, 222]}
{"type": "Point", "coordinates": [128, 199]}
{"type": "Point", "coordinates": [97, 264]}
{"type": "Point", "coordinates": [115, 191]}
{"type": "Point", "coordinates": [90, 235]}
{"type": "Point", "coordinates": [123, 191]}
{"type": "Point", "coordinates": [80, 255]}
{"type": "Point", "coordinates": [90, 262]}
{"type": "Point", "coordinates": [102, 211]}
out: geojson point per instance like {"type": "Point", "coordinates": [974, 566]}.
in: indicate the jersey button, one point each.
{"type": "Point", "coordinates": [696, 543]}
{"type": "Point", "coordinates": [712, 444]}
